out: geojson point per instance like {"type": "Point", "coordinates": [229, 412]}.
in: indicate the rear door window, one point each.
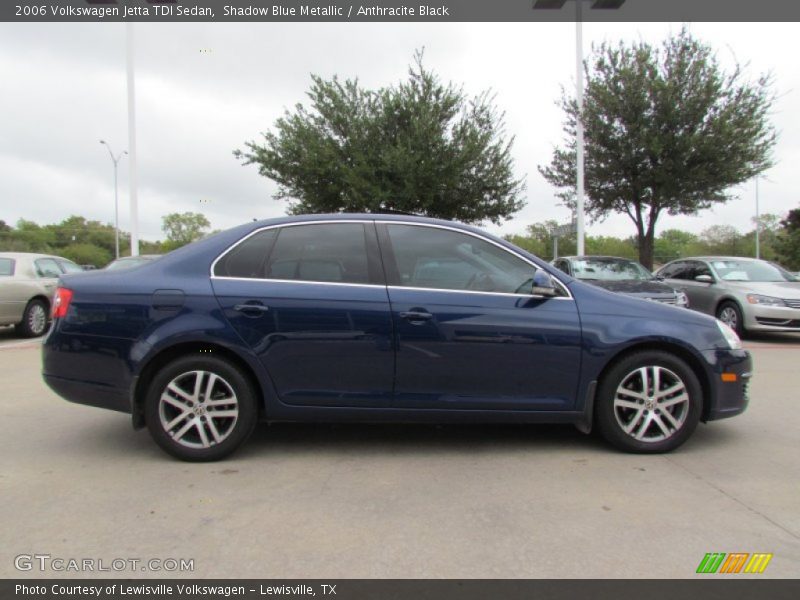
{"type": "Point", "coordinates": [247, 259]}
{"type": "Point", "coordinates": [324, 252]}
{"type": "Point", "coordinates": [6, 267]}
{"type": "Point", "coordinates": [47, 267]}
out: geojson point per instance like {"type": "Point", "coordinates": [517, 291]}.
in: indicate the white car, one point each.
{"type": "Point", "coordinates": [27, 283]}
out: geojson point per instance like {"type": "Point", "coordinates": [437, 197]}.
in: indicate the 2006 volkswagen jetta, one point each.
{"type": "Point", "coordinates": [381, 318]}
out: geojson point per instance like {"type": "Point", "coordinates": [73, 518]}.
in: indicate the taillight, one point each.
{"type": "Point", "coordinates": [61, 302]}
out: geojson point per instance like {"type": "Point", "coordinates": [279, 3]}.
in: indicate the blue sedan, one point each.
{"type": "Point", "coordinates": [381, 318]}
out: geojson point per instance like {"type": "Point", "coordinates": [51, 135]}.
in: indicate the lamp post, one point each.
{"type": "Point", "coordinates": [579, 142]}
{"type": "Point", "coordinates": [116, 197]}
{"type": "Point", "coordinates": [758, 224]}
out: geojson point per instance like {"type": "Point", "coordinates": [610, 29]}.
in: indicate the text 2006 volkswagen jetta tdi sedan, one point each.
{"type": "Point", "coordinates": [381, 318]}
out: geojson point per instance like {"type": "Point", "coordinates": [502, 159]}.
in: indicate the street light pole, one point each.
{"type": "Point", "coordinates": [116, 196]}
{"type": "Point", "coordinates": [132, 174]}
{"type": "Point", "coordinates": [758, 224]}
{"type": "Point", "coordinates": [579, 128]}
{"type": "Point", "coordinates": [579, 141]}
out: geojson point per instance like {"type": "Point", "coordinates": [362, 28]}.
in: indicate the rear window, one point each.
{"type": "Point", "coordinates": [6, 267]}
{"type": "Point", "coordinates": [47, 267]}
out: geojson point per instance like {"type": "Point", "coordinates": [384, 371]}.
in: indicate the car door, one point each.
{"type": "Point", "coordinates": [9, 304]}
{"type": "Point", "coordinates": [469, 333]}
{"type": "Point", "coordinates": [311, 301]}
{"type": "Point", "coordinates": [704, 294]}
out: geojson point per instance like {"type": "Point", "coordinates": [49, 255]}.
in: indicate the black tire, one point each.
{"type": "Point", "coordinates": [34, 320]}
{"type": "Point", "coordinates": [729, 313]}
{"type": "Point", "coordinates": [190, 409]}
{"type": "Point", "coordinates": [662, 420]}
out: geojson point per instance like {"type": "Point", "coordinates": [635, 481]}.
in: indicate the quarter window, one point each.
{"type": "Point", "coordinates": [429, 257]}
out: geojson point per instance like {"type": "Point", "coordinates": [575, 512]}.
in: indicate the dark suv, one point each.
{"type": "Point", "coordinates": [381, 318]}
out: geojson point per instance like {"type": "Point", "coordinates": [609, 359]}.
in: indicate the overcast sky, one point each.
{"type": "Point", "coordinates": [63, 89]}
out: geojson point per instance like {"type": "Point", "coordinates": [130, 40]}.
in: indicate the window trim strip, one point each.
{"type": "Point", "coordinates": [560, 284]}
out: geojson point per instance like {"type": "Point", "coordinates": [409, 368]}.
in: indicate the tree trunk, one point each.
{"type": "Point", "coordinates": [646, 243]}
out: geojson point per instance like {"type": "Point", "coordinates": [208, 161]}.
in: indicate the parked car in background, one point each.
{"type": "Point", "coordinates": [620, 275]}
{"type": "Point", "coordinates": [27, 283]}
{"type": "Point", "coordinates": [381, 318]}
{"type": "Point", "coordinates": [745, 293]}
{"type": "Point", "coordinates": [128, 262]}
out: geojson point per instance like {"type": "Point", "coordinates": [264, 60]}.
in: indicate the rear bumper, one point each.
{"type": "Point", "coordinates": [90, 394]}
{"type": "Point", "coordinates": [729, 398]}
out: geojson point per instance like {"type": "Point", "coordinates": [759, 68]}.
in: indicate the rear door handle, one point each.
{"type": "Point", "coordinates": [251, 308]}
{"type": "Point", "coordinates": [416, 316]}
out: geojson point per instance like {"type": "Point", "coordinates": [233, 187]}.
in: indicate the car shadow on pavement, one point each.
{"type": "Point", "coordinates": [413, 439]}
{"type": "Point", "coordinates": [785, 339]}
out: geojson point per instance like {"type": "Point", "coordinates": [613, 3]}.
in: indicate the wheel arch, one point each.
{"type": "Point", "coordinates": [186, 348]}
{"type": "Point", "coordinates": [725, 299]}
{"type": "Point", "coordinates": [691, 359]}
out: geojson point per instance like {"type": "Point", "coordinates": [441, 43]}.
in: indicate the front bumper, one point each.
{"type": "Point", "coordinates": [759, 317]}
{"type": "Point", "coordinates": [730, 375]}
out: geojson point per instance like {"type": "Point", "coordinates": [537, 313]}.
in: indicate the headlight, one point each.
{"type": "Point", "coordinates": [765, 300]}
{"type": "Point", "coordinates": [681, 299]}
{"type": "Point", "coordinates": [730, 336]}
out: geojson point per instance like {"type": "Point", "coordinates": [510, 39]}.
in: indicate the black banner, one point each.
{"type": "Point", "coordinates": [401, 589]}
{"type": "Point", "coordinates": [398, 11]}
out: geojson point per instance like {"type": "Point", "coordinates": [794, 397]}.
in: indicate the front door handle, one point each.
{"type": "Point", "coordinates": [252, 309]}
{"type": "Point", "coordinates": [416, 316]}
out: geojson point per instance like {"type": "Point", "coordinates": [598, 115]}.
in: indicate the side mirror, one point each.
{"type": "Point", "coordinates": [704, 279]}
{"type": "Point", "coordinates": [543, 284]}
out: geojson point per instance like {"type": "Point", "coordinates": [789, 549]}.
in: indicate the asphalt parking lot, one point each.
{"type": "Point", "coordinates": [356, 501]}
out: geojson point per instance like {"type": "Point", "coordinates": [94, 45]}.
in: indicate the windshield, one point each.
{"type": "Point", "coordinates": [609, 269]}
{"type": "Point", "coordinates": [750, 270]}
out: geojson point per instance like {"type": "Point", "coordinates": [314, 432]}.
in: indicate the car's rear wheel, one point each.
{"type": "Point", "coordinates": [649, 402]}
{"type": "Point", "coordinates": [730, 314]}
{"type": "Point", "coordinates": [34, 319]}
{"type": "Point", "coordinates": [200, 408]}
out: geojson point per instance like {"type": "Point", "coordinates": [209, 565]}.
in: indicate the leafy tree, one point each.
{"type": "Point", "coordinates": [674, 243]}
{"type": "Point", "coordinates": [183, 228]}
{"type": "Point", "coordinates": [666, 130]}
{"type": "Point", "coordinates": [420, 146]}
{"type": "Point", "coordinates": [87, 254]}
{"type": "Point", "coordinates": [611, 246]}
{"type": "Point", "coordinates": [787, 243]}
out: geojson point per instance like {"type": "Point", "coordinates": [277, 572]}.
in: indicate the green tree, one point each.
{"type": "Point", "coordinates": [672, 244]}
{"type": "Point", "coordinates": [666, 130]}
{"type": "Point", "coordinates": [787, 243]}
{"type": "Point", "coordinates": [420, 146]}
{"type": "Point", "coordinates": [87, 254]}
{"type": "Point", "coordinates": [183, 228]}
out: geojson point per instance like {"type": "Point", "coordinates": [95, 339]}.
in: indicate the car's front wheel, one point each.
{"type": "Point", "coordinates": [730, 314]}
{"type": "Point", "coordinates": [34, 319]}
{"type": "Point", "coordinates": [200, 408]}
{"type": "Point", "coordinates": [649, 402]}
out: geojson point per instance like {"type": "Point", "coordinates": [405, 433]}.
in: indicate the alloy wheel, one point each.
{"type": "Point", "coordinates": [651, 404]}
{"type": "Point", "coordinates": [198, 409]}
{"type": "Point", "coordinates": [37, 319]}
{"type": "Point", "coordinates": [728, 316]}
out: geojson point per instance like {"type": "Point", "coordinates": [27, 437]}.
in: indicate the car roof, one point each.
{"type": "Point", "coordinates": [31, 255]}
{"type": "Point", "coordinates": [585, 256]}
